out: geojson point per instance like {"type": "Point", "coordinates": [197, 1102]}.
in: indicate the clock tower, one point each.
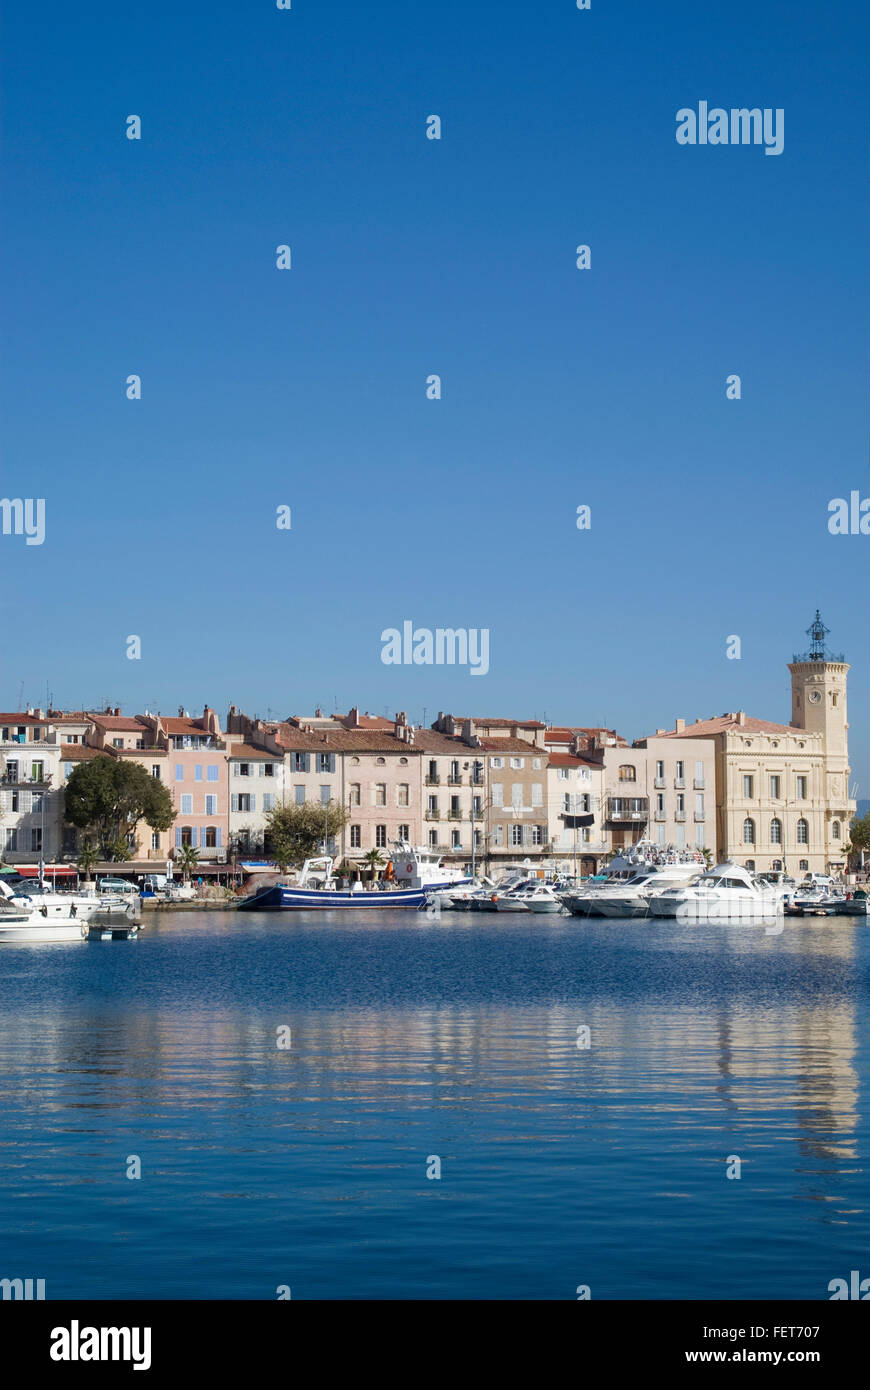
{"type": "Point", "coordinates": [818, 704]}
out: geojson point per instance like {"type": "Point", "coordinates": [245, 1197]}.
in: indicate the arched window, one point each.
{"type": "Point", "coordinates": [804, 865]}
{"type": "Point", "coordinates": [835, 830]}
{"type": "Point", "coordinates": [803, 832]}
{"type": "Point", "coordinates": [749, 831]}
{"type": "Point", "coordinates": [777, 866]}
{"type": "Point", "coordinates": [750, 865]}
{"type": "Point", "coordinates": [627, 773]}
{"type": "Point", "coordinates": [186, 835]}
{"type": "Point", "coordinates": [776, 831]}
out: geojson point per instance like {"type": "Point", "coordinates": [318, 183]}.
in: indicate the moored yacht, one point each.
{"type": "Point", "coordinates": [588, 899]}
{"type": "Point", "coordinates": [632, 898]}
{"type": "Point", "coordinates": [411, 874]}
{"type": "Point", "coordinates": [726, 892]}
{"type": "Point", "coordinates": [41, 917]}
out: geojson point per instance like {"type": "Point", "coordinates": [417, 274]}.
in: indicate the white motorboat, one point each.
{"type": "Point", "coordinates": [543, 899]}
{"type": "Point", "coordinates": [631, 899]}
{"type": "Point", "coordinates": [41, 914]}
{"type": "Point", "coordinates": [726, 892]}
{"type": "Point", "coordinates": [458, 899]}
{"type": "Point", "coordinates": [588, 899]}
{"type": "Point", "coordinates": [516, 898]}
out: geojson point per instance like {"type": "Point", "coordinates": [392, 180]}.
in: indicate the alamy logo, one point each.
{"type": "Point", "coordinates": [741, 125]}
{"type": "Point", "coordinates": [102, 1344]}
{"type": "Point", "coordinates": [22, 1288]}
{"type": "Point", "coordinates": [24, 517]}
{"type": "Point", "coordinates": [856, 1288]}
{"type": "Point", "coordinates": [446, 646]}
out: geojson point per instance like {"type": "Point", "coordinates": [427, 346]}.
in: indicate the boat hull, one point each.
{"type": "Point", "coordinates": [29, 931]}
{"type": "Point", "coordinates": [325, 900]}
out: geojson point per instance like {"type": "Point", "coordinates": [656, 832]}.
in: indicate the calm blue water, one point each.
{"type": "Point", "coordinates": [413, 1038]}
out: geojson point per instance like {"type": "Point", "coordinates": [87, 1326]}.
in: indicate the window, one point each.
{"type": "Point", "coordinates": [300, 762]}
{"type": "Point", "coordinates": [433, 839]}
{"type": "Point", "coordinates": [567, 800]}
{"type": "Point", "coordinates": [681, 802]}
{"type": "Point", "coordinates": [835, 830]}
{"type": "Point", "coordinates": [748, 783]}
{"type": "Point", "coordinates": [564, 774]}
{"type": "Point", "coordinates": [516, 794]}
{"type": "Point", "coordinates": [155, 840]}
{"type": "Point", "coordinates": [497, 793]}
{"type": "Point", "coordinates": [627, 773]}
{"type": "Point", "coordinates": [498, 762]}
{"type": "Point", "coordinates": [186, 834]}
{"type": "Point", "coordinates": [211, 805]}
{"type": "Point", "coordinates": [749, 831]}
{"type": "Point", "coordinates": [197, 772]}
{"type": "Point", "coordinates": [402, 794]}
{"type": "Point", "coordinates": [211, 773]}
{"type": "Point", "coordinates": [354, 794]}
{"type": "Point", "coordinates": [803, 832]}
{"type": "Point", "coordinates": [11, 838]}
{"type": "Point", "coordinates": [776, 865]}
{"type": "Point", "coordinates": [498, 835]}
{"type": "Point", "coordinates": [36, 771]}
{"type": "Point", "coordinates": [355, 837]}
{"type": "Point", "coordinates": [404, 832]}
{"type": "Point", "coordinates": [803, 865]}
{"type": "Point", "coordinates": [72, 738]}
{"type": "Point", "coordinates": [36, 840]}
{"type": "Point", "coordinates": [380, 794]}
{"type": "Point", "coordinates": [699, 837]}
{"type": "Point", "coordinates": [243, 769]}
{"type": "Point", "coordinates": [454, 806]}
{"type": "Point", "coordinates": [802, 788]}
{"type": "Point", "coordinates": [155, 771]}
{"type": "Point", "coordinates": [242, 801]}
{"type": "Point", "coordinates": [660, 803]}
{"type": "Point", "coordinates": [454, 771]}
{"type": "Point", "coordinates": [67, 769]}
{"type": "Point", "coordinates": [699, 803]}
{"type": "Point", "coordinates": [210, 837]}
{"type": "Point", "coordinates": [774, 788]}
{"type": "Point", "coordinates": [381, 836]}
{"type": "Point", "coordinates": [477, 807]}
{"type": "Point", "coordinates": [517, 762]}
{"type": "Point", "coordinates": [536, 764]}
{"type": "Point", "coordinates": [776, 831]}
{"type": "Point", "coordinates": [325, 795]}
{"type": "Point", "coordinates": [516, 834]}
{"type": "Point", "coordinates": [456, 840]}
{"type": "Point", "coordinates": [537, 834]}
{"type": "Point", "coordinates": [750, 864]}
{"type": "Point", "coordinates": [36, 801]}
{"type": "Point", "coordinates": [679, 771]}
{"type": "Point", "coordinates": [325, 762]}
{"type": "Point", "coordinates": [299, 795]}
{"type": "Point", "coordinates": [268, 802]}
{"type": "Point", "coordinates": [433, 803]}
{"type": "Point", "coordinates": [660, 768]}
{"type": "Point", "coordinates": [537, 794]}
{"type": "Point", "coordinates": [179, 772]}
{"type": "Point", "coordinates": [267, 769]}
{"type": "Point", "coordinates": [117, 743]}
{"type": "Point", "coordinates": [187, 805]}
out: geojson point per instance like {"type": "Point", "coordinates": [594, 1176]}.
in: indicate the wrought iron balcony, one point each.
{"type": "Point", "coordinates": [627, 809]}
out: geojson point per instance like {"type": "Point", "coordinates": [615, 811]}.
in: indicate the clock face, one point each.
{"type": "Point", "coordinates": [815, 696]}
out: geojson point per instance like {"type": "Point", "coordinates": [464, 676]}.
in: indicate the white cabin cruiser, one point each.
{"type": "Point", "coordinates": [724, 893]}
{"type": "Point", "coordinates": [631, 899]}
{"type": "Point", "coordinates": [543, 899]}
{"type": "Point", "coordinates": [36, 916]}
{"type": "Point", "coordinates": [588, 899]}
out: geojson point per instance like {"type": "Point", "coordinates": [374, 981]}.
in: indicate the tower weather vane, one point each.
{"type": "Point", "coordinates": [817, 632]}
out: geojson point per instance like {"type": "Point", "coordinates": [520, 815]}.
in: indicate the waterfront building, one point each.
{"type": "Point", "coordinates": [664, 793]}
{"type": "Point", "coordinates": [30, 788]}
{"type": "Point", "coordinates": [575, 811]}
{"type": "Point", "coordinates": [782, 790]}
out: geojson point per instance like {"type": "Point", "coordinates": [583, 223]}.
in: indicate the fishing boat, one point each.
{"type": "Point", "coordinates": [411, 874]}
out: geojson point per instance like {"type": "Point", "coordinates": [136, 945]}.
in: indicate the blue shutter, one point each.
{"type": "Point", "coordinates": [178, 837]}
{"type": "Point", "coordinates": [219, 836]}
{"type": "Point", "coordinates": [193, 837]}
{"type": "Point", "coordinates": [253, 802]}
{"type": "Point", "coordinates": [235, 801]}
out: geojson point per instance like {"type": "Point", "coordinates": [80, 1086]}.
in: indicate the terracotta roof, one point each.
{"type": "Point", "coordinates": [22, 719]}
{"type": "Point", "coordinates": [365, 721]}
{"type": "Point", "coordinates": [248, 753]}
{"type": "Point", "coordinates": [508, 723]}
{"type": "Point", "coordinates": [569, 760]}
{"type": "Point", "coordinates": [725, 723]}
{"type": "Point", "coordinates": [118, 723]}
{"type": "Point", "coordinates": [339, 740]}
{"type": "Point", "coordinates": [82, 752]}
{"type": "Point", "coordinates": [185, 726]}
{"type": "Point", "coordinates": [511, 745]}
{"type": "Point", "coordinates": [431, 741]}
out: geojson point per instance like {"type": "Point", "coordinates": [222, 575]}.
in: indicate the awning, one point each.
{"type": "Point", "coordinates": [575, 822]}
{"type": "Point", "coordinates": [49, 871]}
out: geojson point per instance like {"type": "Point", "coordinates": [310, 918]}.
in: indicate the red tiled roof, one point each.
{"type": "Point", "coordinates": [119, 723]}
{"type": "Point", "coordinates": [508, 723]}
{"type": "Point", "coordinates": [22, 719]}
{"type": "Point", "coordinates": [248, 753]}
{"type": "Point", "coordinates": [82, 752]}
{"type": "Point", "coordinates": [569, 760]}
{"type": "Point", "coordinates": [724, 723]}
{"type": "Point", "coordinates": [185, 726]}
{"type": "Point", "coordinates": [511, 745]}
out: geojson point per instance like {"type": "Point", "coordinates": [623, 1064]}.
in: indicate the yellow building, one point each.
{"type": "Point", "coordinates": [782, 790]}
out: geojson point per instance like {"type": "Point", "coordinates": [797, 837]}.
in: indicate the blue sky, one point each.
{"type": "Point", "coordinates": [410, 257]}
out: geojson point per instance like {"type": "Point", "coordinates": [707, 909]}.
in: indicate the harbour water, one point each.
{"type": "Point", "coordinates": [414, 1039]}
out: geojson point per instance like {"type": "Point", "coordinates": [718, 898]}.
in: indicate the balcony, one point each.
{"type": "Point", "coordinates": [454, 781]}
{"type": "Point", "coordinates": [433, 781]}
{"type": "Point", "coordinates": [700, 784]}
{"type": "Point", "coordinates": [19, 780]}
{"type": "Point", "coordinates": [661, 815]}
{"type": "Point", "coordinates": [454, 815]}
{"type": "Point", "coordinates": [680, 783]}
{"type": "Point", "coordinates": [700, 817]}
{"type": "Point", "coordinates": [660, 783]}
{"type": "Point", "coordinates": [627, 810]}
{"type": "Point", "coordinates": [679, 816]}
{"type": "Point", "coordinates": [433, 815]}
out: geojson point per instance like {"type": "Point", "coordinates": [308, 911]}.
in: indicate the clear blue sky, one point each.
{"type": "Point", "coordinates": [413, 257]}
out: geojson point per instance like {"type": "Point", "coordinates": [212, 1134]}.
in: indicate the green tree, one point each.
{"type": "Point", "coordinates": [374, 861]}
{"type": "Point", "coordinates": [108, 797]}
{"type": "Point", "coordinates": [859, 833]}
{"type": "Point", "coordinates": [187, 860]}
{"type": "Point", "coordinates": [88, 856]}
{"type": "Point", "coordinates": [296, 833]}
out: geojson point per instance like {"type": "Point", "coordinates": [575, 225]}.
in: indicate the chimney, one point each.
{"type": "Point", "coordinates": [679, 726]}
{"type": "Point", "coordinates": [354, 717]}
{"type": "Point", "coordinates": [118, 711]}
{"type": "Point", "coordinates": [317, 713]}
{"type": "Point", "coordinates": [181, 711]}
{"type": "Point", "coordinates": [741, 718]}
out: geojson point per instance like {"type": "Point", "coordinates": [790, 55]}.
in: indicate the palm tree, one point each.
{"type": "Point", "coordinates": [188, 859]}
{"type": "Point", "coordinates": [88, 856]}
{"type": "Point", "coordinates": [373, 860]}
